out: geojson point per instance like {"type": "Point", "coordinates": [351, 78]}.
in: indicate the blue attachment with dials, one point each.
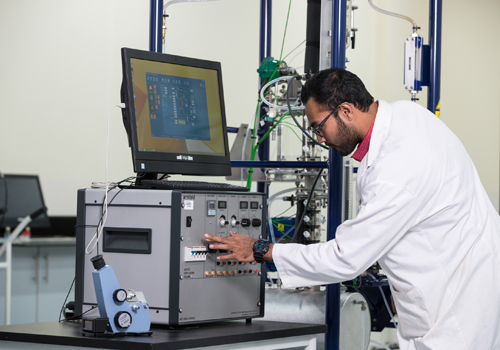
{"type": "Point", "coordinates": [127, 310]}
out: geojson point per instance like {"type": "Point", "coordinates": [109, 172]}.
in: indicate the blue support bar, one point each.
{"type": "Point", "coordinates": [278, 164]}
{"type": "Point", "coordinates": [434, 90]}
{"type": "Point", "coordinates": [335, 170]}
{"type": "Point", "coordinates": [265, 29]}
{"type": "Point", "coordinates": [232, 130]}
{"type": "Point", "coordinates": [155, 25]}
{"type": "Point", "coordinates": [264, 51]}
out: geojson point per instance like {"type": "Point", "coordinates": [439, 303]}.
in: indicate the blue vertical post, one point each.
{"type": "Point", "coordinates": [339, 13]}
{"type": "Point", "coordinates": [265, 29]}
{"type": "Point", "coordinates": [264, 51]}
{"type": "Point", "coordinates": [434, 89]}
{"type": "Point", "coordinates": [155, 25]}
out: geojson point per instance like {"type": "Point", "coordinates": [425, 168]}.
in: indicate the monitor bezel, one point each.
{"type": "Point", "coordinates": [163, 162]}
{"type": "Point", "coordinates": [6, 220]}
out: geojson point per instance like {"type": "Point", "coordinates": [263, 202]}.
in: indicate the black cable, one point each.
{"type": "Point", "coordinates": [67, 295]}
{"type": "Point", "coordinates": [78, 316]}
{"type": "Point", "coordinates": [307, 205]}
{"type": "Point", "coordinates": [293, 117]}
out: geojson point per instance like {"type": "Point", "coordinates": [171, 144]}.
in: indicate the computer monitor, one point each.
{"type": "Point", "coordinates": [20, 196]}
{"type": "Point", "coordinates": [174, 114]}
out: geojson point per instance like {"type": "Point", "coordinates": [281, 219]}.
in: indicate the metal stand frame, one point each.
{"type": "Point", "coordinates": [335, 163]}
{"type": "Point", "coordinates": [7, 264]}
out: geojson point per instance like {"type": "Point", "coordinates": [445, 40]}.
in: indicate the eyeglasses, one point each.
{"type": "Point", "coordinates": [318, 127]}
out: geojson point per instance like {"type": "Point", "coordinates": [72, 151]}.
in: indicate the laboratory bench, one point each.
{"type": "Point", "coordinates": [239, 334]}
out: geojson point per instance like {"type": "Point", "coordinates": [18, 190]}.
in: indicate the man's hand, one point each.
{"type": "Point", "coordinates": [240, 246]}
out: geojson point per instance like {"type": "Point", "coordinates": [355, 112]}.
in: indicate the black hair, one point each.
{"type": "Point", "coordinates": [331, 87]}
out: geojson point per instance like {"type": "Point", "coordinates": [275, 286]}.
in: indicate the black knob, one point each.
{"type": "Point", "coordinates": [123, 319]}
{"type": "Point", "coordinates": [256, 222]}
{"type": "Point", "coordinates": [98, 262]}
{"type": "Point", "coordinates": [245, 222]}
{"type": "Point", "coordinates": [120, 295]}
{"type": "Point", "coordinates": [210, 250]}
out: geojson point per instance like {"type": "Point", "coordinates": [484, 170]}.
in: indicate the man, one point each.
{"type": "Point", "coordinates": [423, 215]}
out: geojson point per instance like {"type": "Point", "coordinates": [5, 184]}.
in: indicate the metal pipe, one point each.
{"type": "Point", "coordinates": [434, 90]}
{"type": "Point", "coordinates": [155, 25]}
{"type": "Point", "coordinates": [279, 151]}
{"type": "Point", "coordinates": [339, 11]}
{"type": "Point", "coordinates": [275, 164]}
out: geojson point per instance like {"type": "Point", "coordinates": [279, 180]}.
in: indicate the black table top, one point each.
{"type": "Point", "coordinates": [209, 334]}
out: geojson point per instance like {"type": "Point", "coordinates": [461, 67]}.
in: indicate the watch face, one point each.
{"type": "Point", "coordinates": [261, 245]}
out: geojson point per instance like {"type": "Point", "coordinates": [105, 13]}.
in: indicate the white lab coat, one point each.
{"type": "Point", "coordinates": [426, 218]}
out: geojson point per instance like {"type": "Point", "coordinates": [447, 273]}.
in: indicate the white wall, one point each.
{"type": "Point", "coordinates": [60, 74]}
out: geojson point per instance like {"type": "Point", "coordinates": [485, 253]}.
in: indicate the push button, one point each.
{"type": "Point", "coordinates": [245, 222]}
{"type": "Point", "coordinates": [256, 222]}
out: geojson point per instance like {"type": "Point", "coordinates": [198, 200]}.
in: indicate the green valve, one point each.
{"type": "Point", "coordinates": [267, 68]}
{"type": "Point", "coordinates": [268, 119]}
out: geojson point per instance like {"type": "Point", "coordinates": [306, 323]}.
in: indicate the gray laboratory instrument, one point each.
{"type": "Point", "coordinates": [154, 241]}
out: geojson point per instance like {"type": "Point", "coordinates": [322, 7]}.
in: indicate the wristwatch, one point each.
{"type": "Point", "coordinates": [260, 248]}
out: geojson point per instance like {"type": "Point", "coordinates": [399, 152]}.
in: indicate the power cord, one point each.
{"type": "Point", "coordinates": [294, 238]}
{"type": "Point", "coordinates": [67, 295]}
{"type": "Point", "coordinates": [293, 117]}
{"type": "Point", "coordinates": [64, 305]}
{"type": "Point", "coordinates": [105, 185]}
{"type": "Point", "coordinates": [104, 215]}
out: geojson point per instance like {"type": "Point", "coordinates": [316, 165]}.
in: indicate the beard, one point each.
{"type": "Point", "coordinates": [346, 139]}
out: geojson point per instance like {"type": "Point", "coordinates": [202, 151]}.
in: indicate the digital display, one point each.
{"type": "Point", "coordinates": [254, 205]}
{"type": "Point", "coordinates": [243, 205]}
{"type": "Point", "coordinates": [177, 108]}
{"type": "Point", "coordinates": [222, 204]}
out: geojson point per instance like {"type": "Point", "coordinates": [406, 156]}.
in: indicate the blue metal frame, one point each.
{"type": "Point", "coordinates": [335, 171]}
{"type": "Point", "coordinates": [265, 29]}
{"type": "Point", "coordinates": [277, 164]}
{"type": "Point", "coordinates": [434, 89]}
{"type": "Point", "coordinates": [155, 25]}
{"type": "Point", "coordinates": [264, 51]}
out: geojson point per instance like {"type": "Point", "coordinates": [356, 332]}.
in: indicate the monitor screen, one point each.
{"type": "Point", "coordinates": [20, 196]}
{"type": "Point", "coordinates": [174, 114]}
